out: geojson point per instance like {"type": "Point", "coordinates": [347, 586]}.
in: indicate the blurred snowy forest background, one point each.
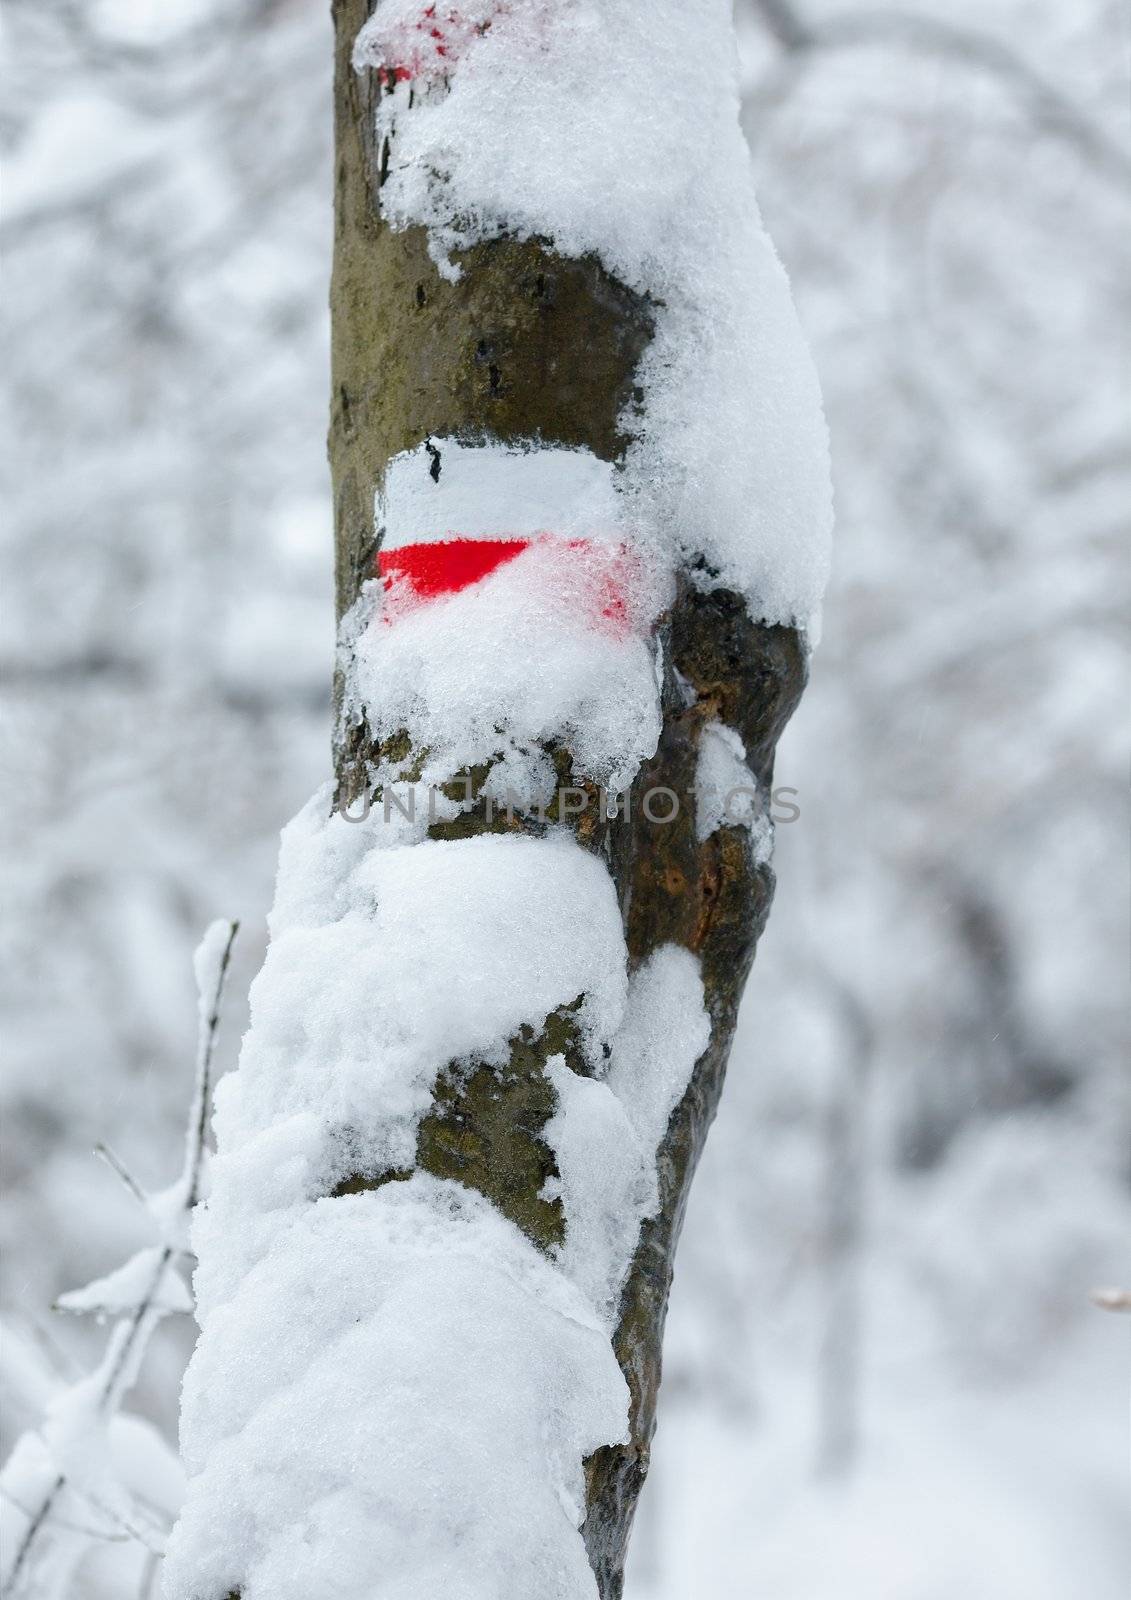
{"type": "Point", "coordinates": [884, 1377]}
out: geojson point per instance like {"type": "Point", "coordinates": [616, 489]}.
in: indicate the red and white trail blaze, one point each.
{"type": "Point", "coordinates": [451, 515]}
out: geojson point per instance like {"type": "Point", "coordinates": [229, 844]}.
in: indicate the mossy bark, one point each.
{"type": "Point", "coordinates": [527, 345]}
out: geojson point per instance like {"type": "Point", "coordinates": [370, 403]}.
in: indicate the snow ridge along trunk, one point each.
{"type": "Point", "coordinates": [581, 518]}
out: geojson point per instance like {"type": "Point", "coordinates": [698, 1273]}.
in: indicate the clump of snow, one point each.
{"type": "Point", "coordinates": [398, 1380]}
{"type": "Point", "coordinates": [76, 1429]}
{"type": "Point", "coordinates": [603, 1182]}
{"type": "Point", "coordinates": [522, 778]}
{"type": "Point", "coordinates": [726, 791]}
{"type": "Point", "coordinates": [612, 128]}
{"type": "Point", "coordinates": [148, 1272]}
{"type": "Point", "coordinates": [664, 1032]}
{"type": "Point", "coordinates": [402, 1386]}
{"type": "Point", "coordinates": [553, 644]}
{"type": "Point", "coordinates": [386, 963]}
{"type": "Point", "coordinates": [605, 1134]}
{"type": "Point", "coordinates": [503, 666]}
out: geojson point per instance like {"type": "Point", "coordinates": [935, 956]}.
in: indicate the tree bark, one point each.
{"type": "Point", "coordinates": [529, 345]}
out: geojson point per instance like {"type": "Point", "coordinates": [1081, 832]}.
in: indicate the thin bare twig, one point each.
{"type": "Point", "coordinates": [120, 1170]}
{"type": "Point", "coordinates": [84, 1528]}
{"type": "Point", "coordinates": [190, 1179]}
{"type": "Point", "coordinates": [206, 1043]}
{"type": "Point", "coordinates": [132, 1334]}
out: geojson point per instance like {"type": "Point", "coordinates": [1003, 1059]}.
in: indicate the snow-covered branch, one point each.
{"type": "Point", "coordinates": [68, 1482]}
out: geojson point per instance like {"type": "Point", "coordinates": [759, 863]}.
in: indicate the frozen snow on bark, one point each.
{"type": "Point", "coordinates": [367, 1354]}
{"type": "Point", "coordinates": [664, 1031]}
{"type": "Point", "coordinates": [726, 791]}
{"type": "Point", "coordinates": [403, 1385]}
{"type": "Point", "coordinates": [552, 642]}
{"type": "Point", "coordinates": [120, 1291]}
{"type": "Point", "coordinates": [611, 128]}
{"type": "Point", "coordinates": [505, 666]}
{"type": "Point", "coordinates": [605, 1134]}
{"type": "Point", "coordinates": [386, 963]}
{"type": "Point", "coordinates": [419, 43]}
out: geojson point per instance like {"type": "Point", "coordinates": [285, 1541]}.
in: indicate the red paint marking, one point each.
{"type": "Point", "coordinates": [604, 582]}
{"type": "Point", "coordinates": [616, 574]}
{"type": "Point", "coordinates": [446, 566]}
{"type": "Point", "coordinates": [428, 46]}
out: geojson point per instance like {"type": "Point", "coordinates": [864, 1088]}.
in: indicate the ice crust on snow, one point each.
{"type": "Point", "coordinates": [611, 128]}
{"type": "Point", "coordinates": [399, 1381]}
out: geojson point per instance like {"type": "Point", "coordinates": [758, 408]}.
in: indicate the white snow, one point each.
{"type": "Point", "coordinates": [552, 644]}
{"type": "Point", "coordinates": [73, 1482]}
{"type": "Point", "coordinates": [603, 1183]}
{"type": "Point", "coordinates": [87, 1474]}
{"type": "Point", "coordinates": [510, 663]}
{"type": "Point", "coordinates": [133, 1470]}
{"type": "Point", "coordinates": [399, 1381]}
{"type": "Point", "coordinates": [988, 445]}
{"type": "Point", "coordinates": [612, 128]}
{"type": "Point", "coordinates": [726, 791]}
{"type": "Point", "coordinates": [208, 965]}
{"type": "Point", "coordinates": [127, 1286]}
{"type": "Point", "coordinates": [402, 1386]}
{"type": "Point", "coordinates": [664, 1032]}
{"type": "Point", "coordinates": [423, 44]}
{"type": "Point", "coordinates": [605, 1134]}
{"type": "Point", "coordinates": [1014, 1490]}
{"type": "Point", "coordinates": [386, 963]}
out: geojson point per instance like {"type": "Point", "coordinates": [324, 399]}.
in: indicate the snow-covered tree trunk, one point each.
{"type": "Point", "coordinates": [581, 508]}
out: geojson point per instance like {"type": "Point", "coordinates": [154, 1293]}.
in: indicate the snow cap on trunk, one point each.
{"type": "Point", "coordinates": [611, 128]}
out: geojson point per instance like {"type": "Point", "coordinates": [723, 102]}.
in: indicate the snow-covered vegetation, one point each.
{"type": "Point", "coordinates": [84, 1474]}
{"type": "Point", "coordinates": [883, 1376]}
